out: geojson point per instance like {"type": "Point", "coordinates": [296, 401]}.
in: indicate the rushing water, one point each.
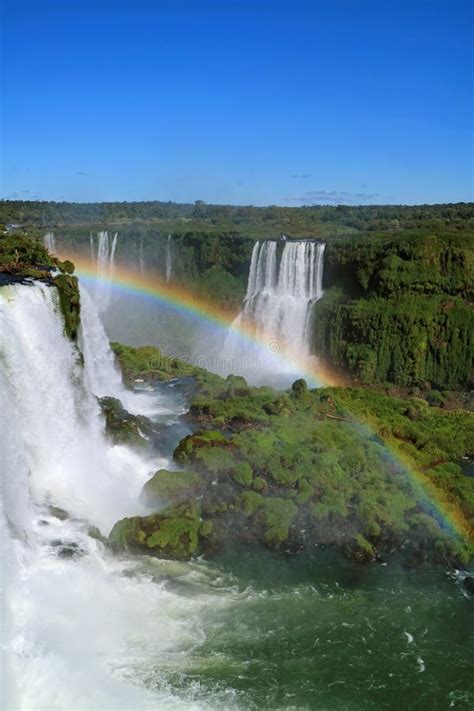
{"type": "Point", "coordinates": [169, 260]}
{"type": "Point", "coordinates": [277, 308]}
{"type": "Point", "coordinates": [50, 242]}
{"type": "Point", "coordinates": [280, 296]}
{"type": "Point", "coordinates": [84, 630]}
{"type": "Point", "coordinates": [105, 266]}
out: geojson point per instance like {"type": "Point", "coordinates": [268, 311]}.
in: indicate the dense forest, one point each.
{"type": "Point", "coordinates": [311, 220]}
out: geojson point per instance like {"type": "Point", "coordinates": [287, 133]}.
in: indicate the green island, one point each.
{"type": "Point", "coordinates": [344, 467]}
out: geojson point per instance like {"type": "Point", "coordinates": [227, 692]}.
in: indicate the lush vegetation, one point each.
{"type": "Point", "coordinates": [23, 258]}
{"type": "Point", "coordinates": [151, 364]}
{"type": "Point", "coordinates": [344, 467]}
{"type": "Point", "coordinates": [310, 220]}
{"type": "Point", "coordinates": [399, 309]}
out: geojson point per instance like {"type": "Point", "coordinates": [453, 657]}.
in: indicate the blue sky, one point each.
{"type": "Point", "coordinates": [245, 102]}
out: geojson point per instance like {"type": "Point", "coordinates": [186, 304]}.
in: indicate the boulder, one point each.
{"type": "Point", "coordinates": [171, 487]}
{"type": "Point", "coordinates": [170, 534]}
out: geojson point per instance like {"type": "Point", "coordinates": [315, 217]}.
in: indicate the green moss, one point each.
{"type": "Point", "coordinates": [32, 273]}
{"type": "Point", "coordinates": [171, 486]}
{"type": "Point", "coordinates": [249, 502]}
{"type": "Point", "coordinates": [69, 301]}
{"type": "Point", "coordinates": [277, 515]}
{"type": "Point", "coordinates": [171, 534]}
{"type": "Point", "coordinates": [206, 529]}
{"type": "Point", "coordinates": [259, 483]}
{"type": "Point", "coordinates": [322, 469]}
{"type": "Point", "coordinates": [300, 388]}
{"type": "Point", "coordinates": [67, 267]}
{"type": "Point", "coordinates": [243, 474]}
{"type": "Point", "coordinates": [121, 426]}
{"type": "Point", "coordinates": [189, 447]}
{"type": "Point", "coordinates": [150, 363]}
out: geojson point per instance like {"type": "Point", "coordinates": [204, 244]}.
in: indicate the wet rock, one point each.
{"type": "Point", "coordinates": [124, 428]}
{"type": "Point", "coordinates": [468, 584]}
{"type": "Point", "coordinates": [59, 513]}
{"type": "Point", "coordinates": [171, 487]}
{"type": "Point", "coordinates": [66, 550]}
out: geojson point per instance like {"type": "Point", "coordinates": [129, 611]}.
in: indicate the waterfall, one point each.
{"type": "Point", "coordinates": [280, 296]}
{"type": "Point", "coordinates": [49, 242]}
{"type": "Point", "coordinates": [277, 308]}
{"type": "Point", "coordinates": [105, 267]}
{"type": "Point", "coordinates": [53, 410]}
{"type": "Point", "coordinates": [91, 240]}
{"type": "Point", "coordinates": [75, 621]}
{"type": "Point", "coordinates": [141, 261]}
{"type": "Point", "coordinates": [100, 370]}
{"type": "Point", "coordinates": [168, 258]}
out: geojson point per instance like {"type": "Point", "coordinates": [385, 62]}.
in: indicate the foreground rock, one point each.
{"type": "Point", "coordinates": [125, 428]}
{"type": "Point", "coordinates": [171, 534]}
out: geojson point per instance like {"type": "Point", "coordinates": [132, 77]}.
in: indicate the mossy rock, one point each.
{"type": "Point", "coordinates": [33, 273]}
{"type": "Point", "coordinates": [276, 516]}
{"type": "Point", "coordinates": [300, 388]}
{"type": "Point", "coordinates": [122, 427]}
{"type": "Point", "coordinates": [189, 446]}
{"type": "Point", "coordinates": [359, 549]}
{"type": "Point", "coordinates": [66, 267]}
{"type": "Point", "coordinates": [259, 484]}
{"type": "Point", "coordinates": [249, 502]}
{"type": "Point", "coordinates": [206, 529]}
{"type": "Point", "coordinates": [171, 487]}
{"type": "Point", "coordinates": [170, 534]}
{"type": "Point", "coordinates": [69, 301]}
{"type": "Point", "coordinates": [242, 474]}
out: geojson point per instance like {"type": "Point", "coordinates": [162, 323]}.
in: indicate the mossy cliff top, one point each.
{"type": "Point", "coordinates": [414, 261]}
{"type": "Point", "coordinates": [24, 258]}
{"type": "Point", "coordinates": [151, 364]}
{"type": "Point", "coordinates": [349, 468]}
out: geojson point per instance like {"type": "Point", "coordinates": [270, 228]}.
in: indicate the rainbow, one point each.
{"type": "Point", "coordinates": [128, 282]}
{"type": "Point", "coordinates": [189, 305]}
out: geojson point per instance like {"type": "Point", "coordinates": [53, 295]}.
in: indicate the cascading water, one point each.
{"type": "Point", "coordinates": [50, 242]}
{"type": "Point", "coordinates": [141, 259]}
{"type": "Point", "coordinates": [100, 370]}
{"type": "Point", "coordinates": [168, 259]}
{"type": "Point", "coordinates": [105, 266]}
{"type": "Point", "coordinates": [279, 297]}
{"type": "Point", "coordinates": [277, 307]}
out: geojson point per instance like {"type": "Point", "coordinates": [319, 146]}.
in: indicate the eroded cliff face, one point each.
{"type": "Point", "coordinates": [398, 309]}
